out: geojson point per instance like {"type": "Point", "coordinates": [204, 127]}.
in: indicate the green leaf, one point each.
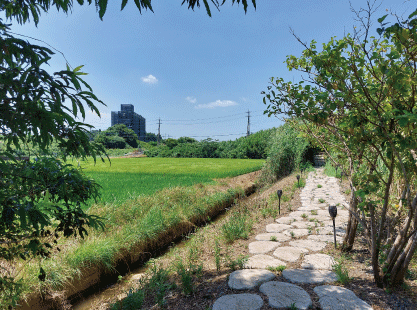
{"type": "Point", "coordinates": [124, 2]}
{"type": "Point", "coordinates": [412, 14]}
{"type": "Point", "coordinates": [102, 8]}
{"type": "Point", "coordinates": [207, 7]}
{"type": "Point", "coordinates": [381, 19]}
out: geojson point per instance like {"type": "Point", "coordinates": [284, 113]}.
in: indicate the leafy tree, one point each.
{"type": "Point", "coordinates": [359, 105]}
{"type": "Point", "coordinates": [151, 137]}
{"type": "Point", "coordinates": [121, 130]}
{"type": "Point", "coordinates": [186, 140]}
{"type": "Point", "coordinates": [42, 198]}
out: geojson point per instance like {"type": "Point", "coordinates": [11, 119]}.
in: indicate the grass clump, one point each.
{"type": "Point", "coordinates": [238, 227]}
{"type": "Point", "coordinates": [319, 186]}
{"type": "Point", "coordinates": [154, 286]}
{"type": "Point", "coordinates": [238, 263]}
{"type": "Point", "coordinates": [132, 301]}
{"type": "Point", "coordinates": [321, 200]}
{"type": "Point", "coordinates": [341, 272]}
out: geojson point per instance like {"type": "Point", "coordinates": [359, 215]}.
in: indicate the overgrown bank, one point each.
{"type": "Point", "coordinates": [138, 226]}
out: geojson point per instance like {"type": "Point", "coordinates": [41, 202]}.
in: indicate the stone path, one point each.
{"type": "Point", "coordinates": [296, 238]}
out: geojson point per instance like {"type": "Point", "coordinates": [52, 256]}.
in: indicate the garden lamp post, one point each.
{"type": "Point", "coordinates": [333, 214]}
{"type": "Point", "coordinates": [341, 176]}
{"type": "Point", "coordinates": [298, 179]}
{"type": "Point", "coordinates": [302, 171]}
{"type": "Point", "coordinates": [279, 193]}
{"type": "Point", "coordinates": [336, 170]}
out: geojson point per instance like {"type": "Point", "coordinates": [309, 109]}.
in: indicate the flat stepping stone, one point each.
{"type": "Point", "coordinates": [285, 295]}
{"type": "Point", "coordinates": [239, 302]}
{"type": "Point", "coordinates": [262, 247]}
{"type": "Point", "coordinates": [318, 261]}
{"type": "Point", "coordinates": [247, 279]}
{"type": "Point", "coordinates": [304, 224]}
{"type": "Point", "coordinates": [285, 220]}
{"type": "Point", "coordinates": [295, 233]}
{"type": "Point", "coordinates": [298, 214]}
{"type": "Point", "coordinates": [339, 298]}
{"type": "Point", "coordinates": [289, 253]}
{"type": "Point", "coordinates": [275, 236]}
{"type": "Point", "coordinates": [277, 227]}
{"type": "Point", "coordinates": [309, 244]}
{"type": "Point", "coordinates": [309, 276]}
{"type": "Point", "coordinates": [262, 261]}
{"type": "Point", "coordinates": [328, 230]}
{"type": "Point", "coordinates": [308, 208]}
{"type": "Point", "coordinates": [325, 238]}
{"type": "Point", "coordinates": [321, 218]}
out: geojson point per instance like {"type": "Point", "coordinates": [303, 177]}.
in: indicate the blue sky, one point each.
{"type": "Point", "coordinates": [199, 75]}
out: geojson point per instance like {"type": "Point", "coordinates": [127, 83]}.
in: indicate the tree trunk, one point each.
{"type": "Point", "coordinates": [352, 224]}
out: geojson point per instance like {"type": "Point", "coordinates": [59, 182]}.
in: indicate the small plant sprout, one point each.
{"type": "Point", "coordinates": [273, 238]}
{"type": "Point", "coordinates": [319, 186]}
{"type": "Point", "coordinates": [292, 234]}
{"type": "Point", "coordinates": [314, 212]}
{"type": "Point", "coordinates": [279, 268]}
{"type": "Point", "coordinates": [321, 200]}
{"type": "Point", "coordinates": [309, 230]}
{"type": "Point", "coordinates": [304, 216]}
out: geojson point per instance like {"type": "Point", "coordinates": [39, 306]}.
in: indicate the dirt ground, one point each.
{"type": "Point", "coordinates": [199, 249]}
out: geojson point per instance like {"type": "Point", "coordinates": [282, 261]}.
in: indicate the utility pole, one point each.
{"type": "Point", "coordinates": [159, 130]}
{"type": "Point", "coordinates": [248, 129]}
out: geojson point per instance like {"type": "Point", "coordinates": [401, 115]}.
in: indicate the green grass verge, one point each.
{"type": "Point", "coordinates": [136, 226]}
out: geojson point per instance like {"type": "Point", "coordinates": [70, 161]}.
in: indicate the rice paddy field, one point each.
{"type": "Point", "coordinates": [125, 178]}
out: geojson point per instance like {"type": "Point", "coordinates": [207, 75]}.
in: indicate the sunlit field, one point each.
{"type": "Point", "coordinates": [126, 178]}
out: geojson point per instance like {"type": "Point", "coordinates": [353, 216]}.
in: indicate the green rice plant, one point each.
{"type": "Point", "coordinates": [321, 200]}
{"type": "Point", "coordinates": [273, 238]}
{"type": "Point", "coordinates": [304, 216]}
{"type": "Point", "coordinates": [128, 178]}
{"type": "Point", "coordinates": [319, 186]}
{"type": "Point", "coordinates": [238, 227]}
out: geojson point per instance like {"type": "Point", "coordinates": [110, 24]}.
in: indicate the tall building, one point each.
{"type": "Point", "coordinates": [131, 119]}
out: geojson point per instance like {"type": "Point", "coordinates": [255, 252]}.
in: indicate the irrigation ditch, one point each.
{"type": "Point", "coordinates": [94, 280]}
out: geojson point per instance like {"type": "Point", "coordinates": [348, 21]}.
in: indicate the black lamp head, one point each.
{"type": "Point", "coordinates": [298, 177]}
{"type": "Point", "coordinates": [279, 193]}
{"type": "Point", "coordinates": [333, 211]}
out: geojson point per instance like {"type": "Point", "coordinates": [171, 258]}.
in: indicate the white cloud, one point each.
{"type": "Point", "coordinates": [191, 99]}
{"type": "Point", "coordinates": [150, 79]}
{"type": "Point", "coordinates": [217, 103]}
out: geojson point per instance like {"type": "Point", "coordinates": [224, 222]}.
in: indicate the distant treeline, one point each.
{"type": "Point", "coordinates": [255, 146]}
